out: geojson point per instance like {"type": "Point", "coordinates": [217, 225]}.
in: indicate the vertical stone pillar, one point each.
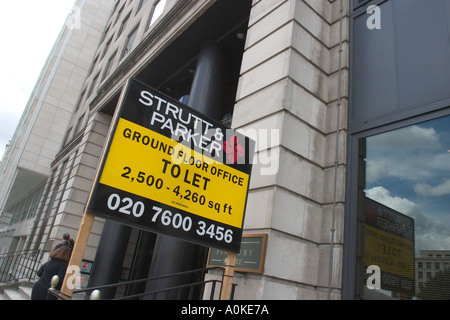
{"type": "Point", "coordinates": [292, 85]}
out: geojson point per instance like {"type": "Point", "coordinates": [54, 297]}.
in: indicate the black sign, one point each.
{"type": "Point", "coordinates": [250, 258]}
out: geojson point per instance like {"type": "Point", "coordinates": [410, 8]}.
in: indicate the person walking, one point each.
{"type": "Point", "coordinates": [66, 238]}
{"type": "Point", "coordinates": [57, 265]}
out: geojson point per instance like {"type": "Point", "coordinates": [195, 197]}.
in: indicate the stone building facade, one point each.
{"type": "Point", "coordinates": [290, 72]}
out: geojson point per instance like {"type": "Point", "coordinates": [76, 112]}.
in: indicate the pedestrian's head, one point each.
{"type": "Point", "coordinates": [62, 253]}
{"type": "Point", "coordinates": [66, 236]}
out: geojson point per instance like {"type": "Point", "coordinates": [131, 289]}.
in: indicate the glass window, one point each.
{"type": "Point", "coordinates": [104, 35]}
{"type": "Point", "coordinates": [105, 49]}
{"type": "Point", "coordinates": [78, 124]}
{"type": "Point", "coordinates": [94, 81]}
{"type": "Point", "coordinates": [122, 26]}
{"type": "Point", "coordinates": [80, 100]}
{"type": "Point", "coordinates": [141, 4]}
{"type": "Point", "coordinates": [403, 218]}
{"type": "Point", "coordinates": [119, 13]}
{"type": "Point", "coordinates": [26, 207]}
{"type": "Point", "coordinates": [129, 44]}
{"type": "Point", "coordinates": [108, 66]}
{"type": "Point", "coordinates": [91, 68]}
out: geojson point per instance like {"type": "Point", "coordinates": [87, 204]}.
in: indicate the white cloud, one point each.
{"type": "Point", "coordinates": [425, 189]}
{"type": "Point", "coordinates": [376, 170]}
{"type": "Point", "coordinates": [402, 205]}
{"type": "Point", "coordinates": [430, 233]}
{"type": "Point", "coordinates": [412, 153]}
{"type": "Point", "coordinates": [408, 138]}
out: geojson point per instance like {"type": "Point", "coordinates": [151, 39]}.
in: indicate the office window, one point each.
{"type": "Point", "coordinates": [404, 196]}
{"type": "Point", "coordinates": [109, 66]}
{"type": "Point", "coordinates": [78, 124]}
{"type": "Point", "coordinates": [94, 82]}
{"type": "Point", "coordinates": [129, 43]}
{"type": "Point", "coordinates": [119, 14]}
{"type": "Point", "coordinates": [26, 207]}
{"type": "Point", "coordinates": [67, 137]}
{"type": "Point", "coordinates": [123, 25]}
{"type": "Point", "coordinates": [141, 5]}
{"type": "Point", "coordinates": [104, 35]}
{"type": "Point", "coordinates": [105, 49]}
{"type": "Point", "coordinates": [91, 67]}
{"type": "Point", "coordinates": [79, 101]}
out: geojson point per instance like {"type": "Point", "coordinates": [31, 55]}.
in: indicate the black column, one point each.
{"type": "Point", "coordinates": [107, 266]}
{"type": "Point", "coordinates": [208, 86]}
{"type": "Point", "coordinates": [172, 255]}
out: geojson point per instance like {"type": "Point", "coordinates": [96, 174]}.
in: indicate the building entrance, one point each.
{"type": "Point", "coordinates": [207, 81]}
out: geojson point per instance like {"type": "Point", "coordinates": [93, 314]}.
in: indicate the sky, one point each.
{"type": "Point", "coordinates": [408, 170]}
{"type": "Point", "coordinates": [28, 30]}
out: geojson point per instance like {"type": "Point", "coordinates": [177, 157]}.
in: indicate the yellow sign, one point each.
{"type": "Point", "coordinates": [166, 168]}
{"type": "Point", "coordinates": [146, 163]}
{"type": "Point", "coordinates": [392, 253]}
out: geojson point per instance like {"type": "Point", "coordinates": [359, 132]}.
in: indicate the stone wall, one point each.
{"type": "Point", "coordinates": [294, 64]}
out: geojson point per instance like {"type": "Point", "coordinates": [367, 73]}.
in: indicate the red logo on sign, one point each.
{"type": "Point", "coordinates": [233, 149]}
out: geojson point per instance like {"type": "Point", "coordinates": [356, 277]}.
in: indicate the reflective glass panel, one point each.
{"type": "Point", "coordinates": [404, 213]}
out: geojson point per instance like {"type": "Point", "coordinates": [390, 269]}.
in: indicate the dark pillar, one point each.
{"type": "Point", "coordinates": [107, 267]}
{"type": "Point", "coordinates": [208, 86]}
{"type": "Point", "coordinates": [172, 255]}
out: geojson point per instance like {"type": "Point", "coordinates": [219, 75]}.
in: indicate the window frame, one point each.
{"type": "Point", "coordinates": [125, 49]}
{"type": "Point", "coordinates": [350, 246]}
{"type": "Point", "coordinates": [370, 127]}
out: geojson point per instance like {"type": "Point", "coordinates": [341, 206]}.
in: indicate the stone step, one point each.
{"type": "Point", "coordinates": [16, 292]}
{"type": "Point", "coordinates": [26, 291]}
{"type": "Point", "coordinates": [13, 294]}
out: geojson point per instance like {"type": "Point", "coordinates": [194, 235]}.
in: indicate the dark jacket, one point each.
{"type": "Point", "coordinates": [64, 243]}
{"type": "Point", "coordinates": [51, 268]}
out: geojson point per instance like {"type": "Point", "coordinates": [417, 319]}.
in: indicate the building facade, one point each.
{"type": "Point", "coordinates": [313, 83]}
{"type": "Point", "coordinates": [26, 166]}
{"type": "Point", "coordinates": [429, 264]}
